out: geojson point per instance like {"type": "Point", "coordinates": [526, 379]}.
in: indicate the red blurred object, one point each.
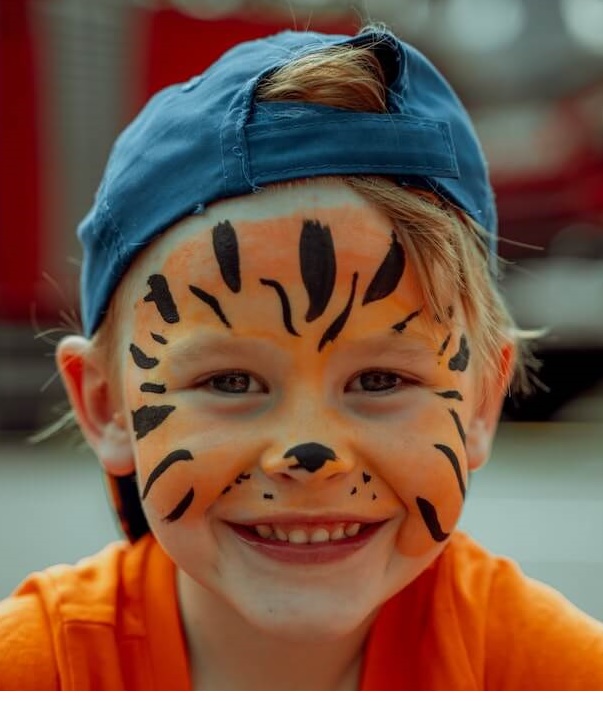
{"type": "Point", "coordinates": [178, 46]}
{"type": "Point", "coordinates": [563, 185]}
{"type": "Point", "coordinates": [20, 208]}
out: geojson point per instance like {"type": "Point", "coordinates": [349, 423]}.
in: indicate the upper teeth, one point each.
{"type": "Point", "coordinates": [307, 534]}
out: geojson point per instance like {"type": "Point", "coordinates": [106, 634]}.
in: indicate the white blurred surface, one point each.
{"type": "Point", "coordinates": [540, 501]}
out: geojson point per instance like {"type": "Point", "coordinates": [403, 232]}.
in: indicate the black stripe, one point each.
{"type": "Point", "coordinates": [451, 394]}
{"type": "Point", "coordinates": [147, 418]}
{"type": "Point", "coordinates": [454, 461]}
{"type": "Point", "coordinates": [143, 361]}
{"type": "Point", "coordinates": [430, 516]}
{"type": "Point", "coordinates": [211, 302]}
{"type": "Point", "coordinates": [459, 425]}
{"type": "Point", "coordinates": [401, 325]}
{"type": "Point", "coordinates": [168, 461]}
{"type": "Point", "coordinates": [461, 359]}
{"type": "Point", "coordinates": [449, 313]}
{"type": "Point", "coordinates": [159, 338]}
{"type": "Point", "coordinates": [152, 387]}
{"type": "Point", "coordinates": [318, 266]}
{"type": "Point", "coordinates": [226, 248]}
{"type": "Point", "coordinates": [285, 306]}
{"type": "Point", "coordinates": [182, 507]}
{"type": "Point", "coordinates": [445, 344]}
{"type": "Point", "coordinates": [162, 297]}
{"type": "Point", "coordinates": [337, 326]}
{"type": "Point", "coordinates": [389, 273]}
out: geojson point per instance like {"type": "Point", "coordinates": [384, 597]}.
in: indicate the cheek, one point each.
{"type": "Point", "coordinates": [425, 465]}
{"type": "Point", "coordinates": [185, 460]}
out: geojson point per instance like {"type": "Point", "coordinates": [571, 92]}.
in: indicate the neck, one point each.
{"type": "Point", "coordinates": [227, 653]}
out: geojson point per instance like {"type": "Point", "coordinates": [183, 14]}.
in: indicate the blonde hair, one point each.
{"type": "Point", "coordinates": [448, 249]}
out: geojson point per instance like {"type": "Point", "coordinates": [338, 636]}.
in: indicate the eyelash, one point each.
{"type": "Point", "coordinates": [208, 382]}
{"type": "Point", "coordinates": [399, 382]}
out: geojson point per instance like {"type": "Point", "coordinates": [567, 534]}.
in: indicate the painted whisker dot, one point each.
{"type": "Point", "coordinates": [354, 491]}
{"type": "Point", "coordinates": [374, 496]}
{"type": "Point", "coordinates": [268, 496]}
{"type": "Point", "coordinates": [366, 478]}
{"type": "Point", "coordinates": [226, 489]}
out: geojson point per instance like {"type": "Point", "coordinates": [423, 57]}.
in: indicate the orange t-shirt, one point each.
{"type": "Point", "coordinates": [471, 621]}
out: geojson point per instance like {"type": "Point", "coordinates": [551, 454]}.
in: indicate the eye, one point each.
{"type": "Point", "coordinates": [378, 381]}
{"type": "Point", "coordinates": [234, 382]}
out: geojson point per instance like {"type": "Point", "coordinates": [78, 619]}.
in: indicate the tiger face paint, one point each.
{"type": "Point", "coordinates": [287, 389]}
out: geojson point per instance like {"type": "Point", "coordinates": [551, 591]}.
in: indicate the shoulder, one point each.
{"type": "Point", "coordinates": [26, 645]}
{"type": "Point", "coordinates": [534, 638]}
{"type": "Point", "coordinates": [41, 619]}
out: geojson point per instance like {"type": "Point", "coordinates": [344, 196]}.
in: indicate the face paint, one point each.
{"type": "Point", "coordinates": [297, 375]}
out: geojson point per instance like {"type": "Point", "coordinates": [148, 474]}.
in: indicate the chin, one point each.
{"type": "Point", "coordinates": [307, 621]}
{"type": "Point", "coordinates": [298, 614]}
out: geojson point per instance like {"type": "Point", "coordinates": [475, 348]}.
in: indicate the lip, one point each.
{"type": "Point", "coordinates": [308, 553]}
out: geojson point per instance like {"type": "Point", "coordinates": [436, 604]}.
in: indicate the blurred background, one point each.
{"type": "Point", "coordinates": [74, 72]}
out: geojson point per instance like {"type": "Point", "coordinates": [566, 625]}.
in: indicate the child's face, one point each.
{"type": "Point", "coordinates": [287, 384]}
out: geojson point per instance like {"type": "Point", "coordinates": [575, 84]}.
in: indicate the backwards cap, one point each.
{"type": "Point", "coordinates": [208, 139]}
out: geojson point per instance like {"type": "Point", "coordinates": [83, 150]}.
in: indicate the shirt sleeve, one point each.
{"type": "Point", "coordinates": [537, 640]}
{"type": "Point", "coordinates": [26, 650]}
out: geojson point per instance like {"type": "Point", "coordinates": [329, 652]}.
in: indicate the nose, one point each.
{"type": "Point", "coordinates": [306, 462]}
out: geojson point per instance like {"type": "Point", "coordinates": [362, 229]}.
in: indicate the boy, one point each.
{"type": "Point", "coordinates": [294, 355]}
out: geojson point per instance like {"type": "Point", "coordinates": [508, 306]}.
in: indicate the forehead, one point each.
{"type": "Point", "coordinates": [272, 230]}
{"type": "Point", "coordinates": [316, 248]}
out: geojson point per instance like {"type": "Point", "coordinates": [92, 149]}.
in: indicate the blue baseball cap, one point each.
{"type": "Point", "coordinates": [209, 139]}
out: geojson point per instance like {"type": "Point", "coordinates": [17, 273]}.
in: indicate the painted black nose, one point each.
{"type": "Point", "coordinates": [310, 456]}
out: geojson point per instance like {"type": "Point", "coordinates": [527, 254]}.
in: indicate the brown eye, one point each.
{"type": "Point", "coordinates": [233, 383]}
{"type": "Point", "coordinates": [379, 381]}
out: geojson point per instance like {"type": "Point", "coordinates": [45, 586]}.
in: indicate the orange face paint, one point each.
{"type": "Point", "coordinates": [282, 361]}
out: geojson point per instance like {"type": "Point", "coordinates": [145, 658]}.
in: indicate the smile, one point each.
{"type": "Point", "coordinates": [307, 543]}
{"type": "Point", "coordinates": [302, 534]}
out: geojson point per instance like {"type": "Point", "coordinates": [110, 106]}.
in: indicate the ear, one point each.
{"type": "Point", "coordinates": [482, 428]}
{"type": "Point", "coordinates": [87, 380]}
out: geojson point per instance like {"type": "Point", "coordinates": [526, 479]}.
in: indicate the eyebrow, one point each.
{"type": "Point", "coordinates": [410, 346]}
{"type": "Point", "coordinates": [212, 345]}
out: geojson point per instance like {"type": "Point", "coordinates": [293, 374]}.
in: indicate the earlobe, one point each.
{"type": "Point", "coordinates": [101, 420]}
{"type": "Point", "coordinates": [482, 428]}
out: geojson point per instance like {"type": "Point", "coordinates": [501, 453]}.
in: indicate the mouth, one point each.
{"type": "Point", "coordinates": [307, 543]}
